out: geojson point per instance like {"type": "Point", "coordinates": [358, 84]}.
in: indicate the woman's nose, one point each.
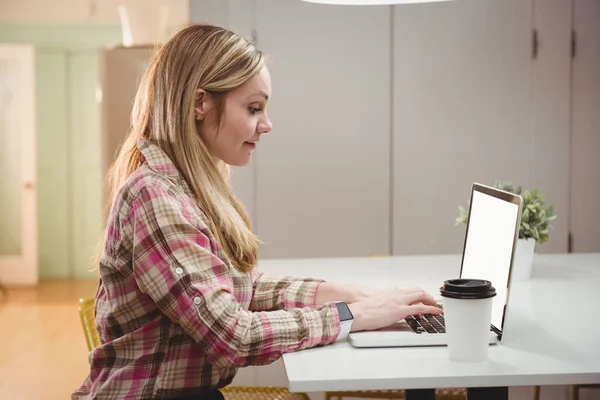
{"type": "Point", "coordinates": [265, 126]}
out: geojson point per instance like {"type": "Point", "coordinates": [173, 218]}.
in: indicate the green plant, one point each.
{"type": "Point", "coordinates": [535, 219]}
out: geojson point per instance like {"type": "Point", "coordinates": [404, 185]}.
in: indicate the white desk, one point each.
{"type": "Point", "coordinates": [552, 330]}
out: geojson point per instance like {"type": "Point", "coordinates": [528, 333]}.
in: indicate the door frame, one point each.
{"type": "Point", "coordinates": [23, 269]}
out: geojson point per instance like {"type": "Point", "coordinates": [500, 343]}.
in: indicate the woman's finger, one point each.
{"type": "Point", "coordinates": [422, 297]}
{"type": "Point", "coordinates": [411, 290]}
{"type": "Point", "coordinates": [420, 309]}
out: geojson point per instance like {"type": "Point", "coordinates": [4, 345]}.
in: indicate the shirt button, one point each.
{"type": "Point", "coordinates": [179, 270]}
{"type": "Point", "coordinates": [197, 300]}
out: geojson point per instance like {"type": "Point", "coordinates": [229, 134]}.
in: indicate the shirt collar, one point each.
{"type": "Point", "coordinates": [156, 159]}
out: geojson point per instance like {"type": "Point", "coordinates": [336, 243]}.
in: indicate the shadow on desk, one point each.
{"type": "Point", "coordinates": [523, 335]}
{"type": "Point", "coordinates": [557, 272]}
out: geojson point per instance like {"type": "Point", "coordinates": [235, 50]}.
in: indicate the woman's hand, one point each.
{"type": "Point", "coordinates": [390, 306]}
{"type": "Point", "coordinates": [331, 291]}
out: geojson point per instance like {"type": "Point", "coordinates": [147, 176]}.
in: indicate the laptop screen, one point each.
{"type": "Point", "coordinates": [489, 243]}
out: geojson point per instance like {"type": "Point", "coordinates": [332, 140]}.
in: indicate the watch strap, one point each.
{"type": "Point", "coordinates": [344, 330]}
{"type": "Point", "coordinates": [346, 319]}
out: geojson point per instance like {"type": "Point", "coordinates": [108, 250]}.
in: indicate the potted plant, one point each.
{"type": "Point", "coordinates": [534, 228]}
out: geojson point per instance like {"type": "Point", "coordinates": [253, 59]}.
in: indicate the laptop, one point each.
{"type": "Point", "coordinates": [488, 251]}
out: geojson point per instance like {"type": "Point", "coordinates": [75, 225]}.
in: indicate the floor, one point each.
{"type": "Point", "coordinates": [42, 348]}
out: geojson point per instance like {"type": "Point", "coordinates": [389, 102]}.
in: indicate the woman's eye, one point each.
{"type": "Point", "coordinates": [254, 110]}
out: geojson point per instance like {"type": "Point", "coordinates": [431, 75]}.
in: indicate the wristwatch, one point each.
{"type": "Point", "coordinates": [346, 319]}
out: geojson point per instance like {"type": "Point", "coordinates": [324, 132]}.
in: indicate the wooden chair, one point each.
{"type": "Point", "coordinates": [260, 393]}
{"type": "Point", "coordinates": [86, 314]}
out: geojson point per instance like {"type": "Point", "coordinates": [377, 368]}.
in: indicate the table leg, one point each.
{"type": "Point", "coordinates": [487, 393]}
{"type": "Point", "coordinates": [420, 394]}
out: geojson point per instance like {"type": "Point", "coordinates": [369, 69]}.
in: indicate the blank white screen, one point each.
{"type": "Point", "coordinates": [488, 246]}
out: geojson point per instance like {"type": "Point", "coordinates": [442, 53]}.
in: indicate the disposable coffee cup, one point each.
{"type": "Point", "coordinates": [468, 315]}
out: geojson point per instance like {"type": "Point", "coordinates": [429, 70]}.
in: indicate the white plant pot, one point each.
{"type": "Point", "coordinates": [523, 260]}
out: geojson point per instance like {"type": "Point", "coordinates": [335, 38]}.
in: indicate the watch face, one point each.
{"type": "Point", "coordinates": [344, 311]}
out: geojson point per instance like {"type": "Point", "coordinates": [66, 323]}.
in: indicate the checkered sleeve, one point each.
{"type": "Point", "coordinates": [173, 264]}
{"type": "Point", "coordinates": [285, 292]}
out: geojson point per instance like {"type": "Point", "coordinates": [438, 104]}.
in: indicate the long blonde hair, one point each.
{"type": "Point", "coordinates": [218, 61]}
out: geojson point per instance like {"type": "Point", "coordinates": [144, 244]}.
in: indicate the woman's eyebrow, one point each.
{"type": "Point", "coordinates": [260, 93]}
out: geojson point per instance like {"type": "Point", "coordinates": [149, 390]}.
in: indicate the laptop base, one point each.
{"type": "Point", "coordinates": [402, 335]}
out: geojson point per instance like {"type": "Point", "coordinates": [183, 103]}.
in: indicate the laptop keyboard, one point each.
{"type": "Point", "coordinates": [427, 323]}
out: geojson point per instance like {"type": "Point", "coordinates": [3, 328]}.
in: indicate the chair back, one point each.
{"type": "Point", "coordinates": [260, 393]}
{"type": "Point", "coordinates": [88, 323]}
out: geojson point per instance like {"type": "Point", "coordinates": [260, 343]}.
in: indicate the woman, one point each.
{"type": "Point", "coordinates": [180, 307]}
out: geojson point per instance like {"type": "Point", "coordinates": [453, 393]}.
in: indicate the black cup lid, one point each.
{"type": "Point", "coordinates": [468, 289]}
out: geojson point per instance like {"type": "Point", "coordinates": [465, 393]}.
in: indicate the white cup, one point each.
{"type": "Point", "coordinates": [468, 315]}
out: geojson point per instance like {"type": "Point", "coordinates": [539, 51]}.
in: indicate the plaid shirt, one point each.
{"type": "Point", "coordinates": [174, 317]}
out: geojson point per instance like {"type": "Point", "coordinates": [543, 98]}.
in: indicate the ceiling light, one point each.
{"type": "Point", "coordinates": [371, 2]}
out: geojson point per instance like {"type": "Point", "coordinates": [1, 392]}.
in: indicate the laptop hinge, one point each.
{"type": "Point", "coordinates": [497, 332]}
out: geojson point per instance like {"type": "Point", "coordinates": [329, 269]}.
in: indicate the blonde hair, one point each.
{"type": "Point", "coordinates": [218, 61]}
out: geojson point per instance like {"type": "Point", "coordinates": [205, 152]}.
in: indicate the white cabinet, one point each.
{"type": "Point", "coordinates": [585, 125]}
{"type": "Point", "coordinates": [472, 103]}
{"type": "Point", "coordinates": [323, 174]}
{"type": "Point", "coordinates": [384, 116]}
{"type": "Point", "coordinates": [550, 113]}
{"type": "Point", "coordinates": [461, 112]}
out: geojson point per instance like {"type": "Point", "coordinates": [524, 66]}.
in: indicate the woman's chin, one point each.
{"type": "Point", "coordinates": [240, 161]}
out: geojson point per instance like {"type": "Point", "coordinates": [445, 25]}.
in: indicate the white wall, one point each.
{"type": "Point", "coordinates": [323, 174]}
{"type": "Point", "coordinates": [81, 11]}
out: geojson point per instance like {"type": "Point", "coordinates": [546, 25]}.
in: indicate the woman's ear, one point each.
{"type": "Point", "coordinates": [202, 104]}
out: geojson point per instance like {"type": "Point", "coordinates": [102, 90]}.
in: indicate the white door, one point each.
{"type": "Point", "coordinates": [18, 206]}
{"type": "Point", "coordinates": [585, 125]}
{"type": "Point", "coordinates": [551, 114]}
{"type": "Point", "coordinates": [462, 113]}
